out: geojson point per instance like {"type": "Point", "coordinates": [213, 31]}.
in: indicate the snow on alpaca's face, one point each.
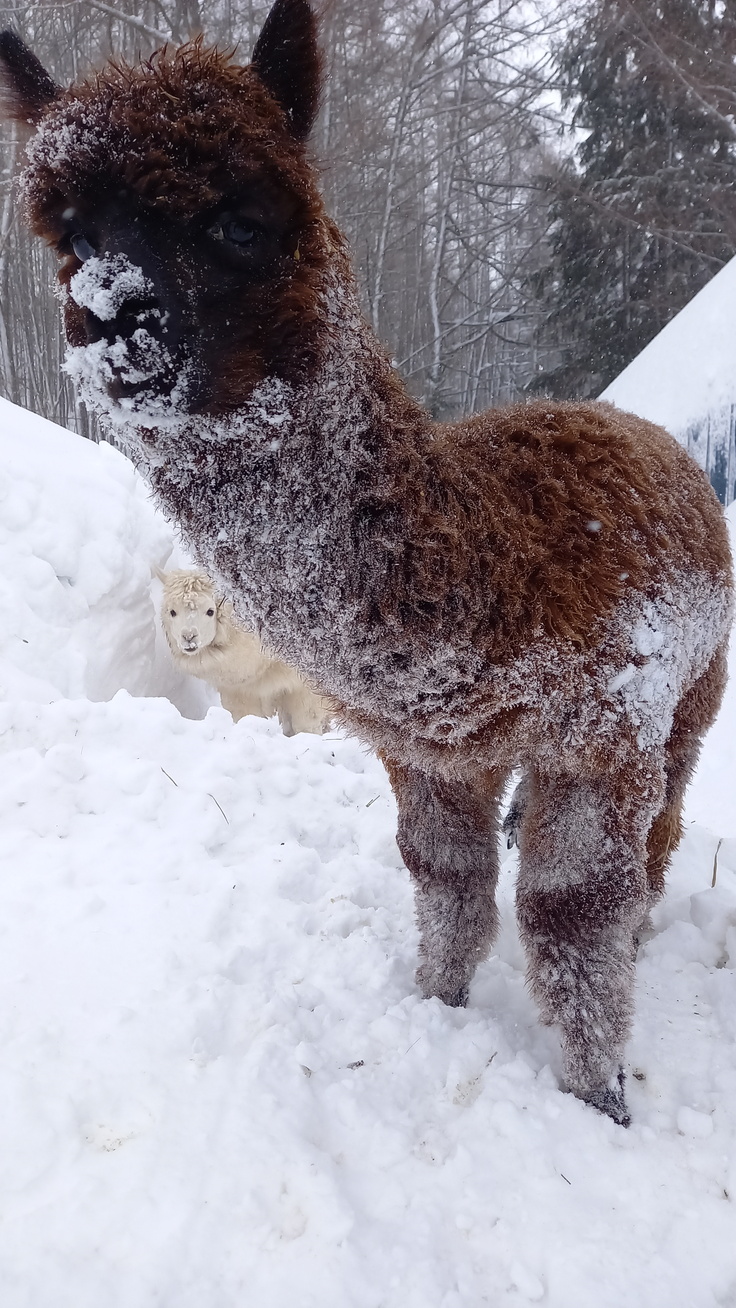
{"type": "Point", "coordinates": [125, 370]}
{"type": "Point", "coordinates": [105, 286]}
{"type": "Point", "coordinates": [190, 619]}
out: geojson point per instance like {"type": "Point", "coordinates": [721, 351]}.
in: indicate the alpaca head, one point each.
{"type": "Point", "coordinates": [191, 611]}
{"type": "Point", "coordinates": [190, 231]}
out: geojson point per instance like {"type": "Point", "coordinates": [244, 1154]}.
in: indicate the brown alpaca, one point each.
{"type": "Point", "coordinates": [545, 586]}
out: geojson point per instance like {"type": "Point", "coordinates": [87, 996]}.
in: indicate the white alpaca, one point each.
{"type": "Point", "coordinates": [206, 641]}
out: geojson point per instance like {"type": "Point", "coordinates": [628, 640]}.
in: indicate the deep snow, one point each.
{"type": "Point", "coordinates": [219, 1086]}
{"type": "Point", "coordinates": [78, 542]}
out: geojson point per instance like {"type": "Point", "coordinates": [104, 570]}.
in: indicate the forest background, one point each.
{"type": "Point", "coordinates": [532, 190]}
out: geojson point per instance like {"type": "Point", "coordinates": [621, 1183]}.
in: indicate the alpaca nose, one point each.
{"type": "Point", "coordinates": [124, 289]}
{"type": "Point", "coordinates": [117, 296]}
{"type": "Point", "coordinates": [134, 313]}
{"type": "Point", "coordinates": [135, 297]}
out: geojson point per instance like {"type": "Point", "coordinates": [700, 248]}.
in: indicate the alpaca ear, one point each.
{"type": "Point", "coordinates": [26, 89]}
{"type": "Point", "coordinates": [286, 58]}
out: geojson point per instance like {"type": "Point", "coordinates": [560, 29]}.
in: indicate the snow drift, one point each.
{"type": "Point", "coordinates": [78, 541]}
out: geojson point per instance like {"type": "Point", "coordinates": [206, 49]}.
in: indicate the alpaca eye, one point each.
{"type": "Point", "coordinates": [172, 613]}
{"type": "Point", "coordinates": [210, 613]}
{"type": "Point", "coordinates": [229, 229]}
{"type": "Point", "coordinates": [82, 247]}
{"type": "Point", "coordinates": [238, 233]}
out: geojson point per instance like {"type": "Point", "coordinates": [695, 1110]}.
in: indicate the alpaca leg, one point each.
{"type": "Point", "coordinates": [300, 710]}
{"type": "Point", "coordinates": [581, 895]}
{"type": "Point", "coordinates": [240, 703]}
{"type": "Point", "coordinates": [448, 837]}
{"type": "Point", "coordinates": [694, 715]}
{"type": "Point", "coordinates": [286, 721]}
{"type": "Point", "coordinates": [511, 825]}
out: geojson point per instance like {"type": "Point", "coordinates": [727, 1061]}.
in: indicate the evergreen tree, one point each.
{"type": "Point", "coordinates": [645, 214]}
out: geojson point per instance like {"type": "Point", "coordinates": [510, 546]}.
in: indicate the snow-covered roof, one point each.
{"type": "Point", "coordinates": [689, 369]}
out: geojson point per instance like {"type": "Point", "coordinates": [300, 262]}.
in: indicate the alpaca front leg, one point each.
{"type": "Point", "coordinates": [241, 703]}
{"type": "Point", "coordinates": [300, 710]}
{"type": "Point", "coordinates": [581, 895]}
{"type": "Point", "coordinates": [448, 837]}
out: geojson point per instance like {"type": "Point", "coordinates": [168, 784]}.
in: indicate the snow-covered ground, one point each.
{"type": "Point", "coordinates": [218, 1084]}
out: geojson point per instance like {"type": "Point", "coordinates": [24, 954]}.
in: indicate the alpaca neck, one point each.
{"type": "Point", "coordinates": [295, 502]}
{"type": "Point", "coordinates": [353, 390]}
{"type": "Point", "coordinates": [292, 450]}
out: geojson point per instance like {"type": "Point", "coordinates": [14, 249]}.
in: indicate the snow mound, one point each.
{"type": "Point", "coordinates": [78, 541]}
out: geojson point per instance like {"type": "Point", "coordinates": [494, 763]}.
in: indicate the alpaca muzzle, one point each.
{"type": "Point", "coordinates": [136, 355]}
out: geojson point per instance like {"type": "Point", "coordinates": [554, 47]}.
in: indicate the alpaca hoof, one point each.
{"type": "Point", "coordinates": [644, 932]}
{"type": "Point", "coordinates": [459, 999]}
{"type": "Point", "coordinates": [433, 987]}
{"type": "Point", "coordinates": [611, 1101]}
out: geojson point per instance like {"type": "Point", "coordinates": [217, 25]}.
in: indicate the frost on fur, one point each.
{"type": "Point", "coordinates": [206, 642]}
{"type": "Point", "coordinates": [104, 286]}
{"type": "Point", "coordinates": [126, 370]}
{"type": "Point", "coordinates": [545, 587]}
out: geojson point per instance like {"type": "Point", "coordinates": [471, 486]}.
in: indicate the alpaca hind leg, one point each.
{"type": "Point", "coordinates": [581, 895]}
{"type": "Point", "coordinates": [448, 837]}
{"type": "Point", "coordinates": [694, 715]}
{"type": "Point", "coordinates": [511, 825]}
